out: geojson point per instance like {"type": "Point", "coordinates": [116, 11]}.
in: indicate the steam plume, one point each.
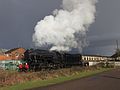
{"type": "Point", "coordinates": [67, 27]}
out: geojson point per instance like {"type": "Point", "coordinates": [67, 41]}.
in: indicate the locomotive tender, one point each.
{"type": "Point", "coordinates": [44, 59]}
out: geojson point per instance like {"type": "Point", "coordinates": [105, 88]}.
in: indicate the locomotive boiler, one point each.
{"type": "Point", "coordinates": [44, 59]}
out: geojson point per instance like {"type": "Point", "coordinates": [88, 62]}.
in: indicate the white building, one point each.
{"type": "Point", "coordinates": [95, 59]}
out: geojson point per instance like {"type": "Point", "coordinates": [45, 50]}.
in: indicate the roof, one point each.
{"type": "Point", "coordinates": [95, 55]}
{"type": "Point", "coordinates": [2, 51]}
{"type": "Point", "coordinates": [13, 50]}
{"type": "Point", "coordinates": [115, 55]}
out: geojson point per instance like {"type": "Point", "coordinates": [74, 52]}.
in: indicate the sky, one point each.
{"type": "Point", "coordinates": [19, 17]}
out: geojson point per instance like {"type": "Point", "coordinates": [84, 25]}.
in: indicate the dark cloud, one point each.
{"type": "Point", "coordinates": [19, 17]}
{"type": "Point", "coordinates": [106, 30]}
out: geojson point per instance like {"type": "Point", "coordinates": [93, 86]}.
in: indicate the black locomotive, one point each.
{"type": "Point", "coordinates": [44, 59]}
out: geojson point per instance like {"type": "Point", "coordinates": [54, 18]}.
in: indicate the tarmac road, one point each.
{"type": "Point", "coordinates": [104, 81]}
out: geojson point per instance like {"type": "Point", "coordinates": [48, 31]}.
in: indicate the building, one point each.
{"type": "Point", "coordinates": [13, 54]}
{"type": "Point", "coordinates": [4, 57]}
{"type": "Point", "coordinates": [11, 58]}
{"type": "Point", "coordinates": [94, 59]}
{"type": "Point", "coordinates": [16, 53]}
{"type": "Point", "coordinates": [116, 56]}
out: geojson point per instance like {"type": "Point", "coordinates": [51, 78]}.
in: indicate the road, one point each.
{"type": "Point", "coordinates": [105, 81]}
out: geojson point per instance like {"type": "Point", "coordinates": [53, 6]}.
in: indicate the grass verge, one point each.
{"type": "Point", "coordinates": [40, 83]}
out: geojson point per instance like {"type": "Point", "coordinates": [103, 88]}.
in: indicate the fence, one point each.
{"type": "Point", "coordinates": [10, 64]}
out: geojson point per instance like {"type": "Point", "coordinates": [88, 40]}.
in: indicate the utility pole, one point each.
{"type": "Point", "coordinates": [117, 51]}
{"type": "Point", "coordinates": [116, 58]}
{"type": "Point", "coordinates": [117, 45]}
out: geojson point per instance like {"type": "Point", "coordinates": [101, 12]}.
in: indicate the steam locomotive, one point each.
{"type": "Point", "coordinates": [44, 59]}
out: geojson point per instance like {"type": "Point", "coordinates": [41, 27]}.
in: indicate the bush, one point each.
{"type": "Point", "coordinates": [8, 78]}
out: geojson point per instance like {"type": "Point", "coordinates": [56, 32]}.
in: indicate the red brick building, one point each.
{"type": "Point", "coordinates": [13, 54]}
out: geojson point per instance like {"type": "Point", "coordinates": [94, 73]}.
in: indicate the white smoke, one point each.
{"type": "Point", "coordinates": [67, 27]}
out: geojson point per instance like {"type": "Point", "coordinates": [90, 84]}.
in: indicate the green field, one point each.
{"type": "Point", "coordinates": [40, 83]}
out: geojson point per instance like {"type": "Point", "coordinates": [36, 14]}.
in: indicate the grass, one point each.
{"type": "Point", "coordinates": [40, 83]}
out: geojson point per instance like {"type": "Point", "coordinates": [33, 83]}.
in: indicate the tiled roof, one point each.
{"type": "Point", "coordinates": [12, 50]}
